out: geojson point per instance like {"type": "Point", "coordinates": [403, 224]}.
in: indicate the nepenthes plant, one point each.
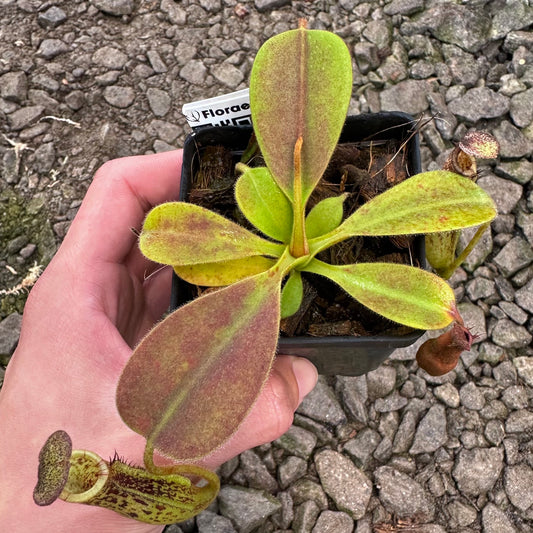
{"type": "Point", "coordinates": [194, 378]}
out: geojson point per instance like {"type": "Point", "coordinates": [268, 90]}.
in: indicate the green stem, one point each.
{"type": "Point", "coordinates": [298, 246]}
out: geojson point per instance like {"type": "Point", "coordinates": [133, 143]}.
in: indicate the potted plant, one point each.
{"type": "Point", "coordinates": [200, 382]}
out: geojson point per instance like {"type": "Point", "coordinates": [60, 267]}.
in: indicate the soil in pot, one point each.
{"type": "Point", "coordinates": [361, 169]}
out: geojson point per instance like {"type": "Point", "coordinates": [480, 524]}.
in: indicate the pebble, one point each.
{"type": "Point", "coordinates": [322, 405]}
{"type": "Point", "coordinates": [110, 57]}
{"type": "Point", "coordinates": [402, 495]}
{"type": "Point", "coordinates": [246, 508]}
{"type": "Point", "coordinates": [431, 432]}
{"type": "Point", "coordinates": [114, 7]}
{"type": "Point", "coordinates": [518, 481]}
{"type": "Point", "coordinates": [25, 116]}
{"type": "Point", "coordinates": [479, 103]}
{"type": "Point", "coordinates": [209, 522]}
{"type": "Point", "coordinates": [50, 48]}
{"type": "Point", "coordinates": [119, 96]}
{"type": "Point", "coordinates": [9, 333]}
{"type": "Point", "coordinates": [228, 75]}
{"type": "Point", "coordinates": [362, 446]}
{"type": "Point", "coordinates": [409, 96]}
{"type": "Point", "coordinates": [333, 522]}
{"type": "Point", "coordinates": [297, 441]}
{"type": "Point", "coordinates": [159, 101]}
{"type": "Point", "coordinates": [14, 86]}
{"type": "Point", "coordinates": [51, 18]}
{"type": "Point", "coordinates": [343, 482]}
{"type": "Point", "coordinates": [495, 520]}
{"type": "Point", "coordinates": [194, 72]}
{"type": "Point", "coordinates": [266, 5]}
{"type": "Point", "coordinates": [476, 471]}
{"type": "Point", "coordinates": [513, 143]}
{"type": "Point", "coordinates": [448, 395]}
{"type": "Point", "coordinates": [504, 192]}
{"type": "Point", "coordinates": [471, 397]}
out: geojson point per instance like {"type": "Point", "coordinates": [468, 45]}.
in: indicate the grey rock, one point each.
{"type": "Point", "coordinates": [297, 441]}
{"type": "Point", "coordinates": [447, 394]}
{"type": "Point", "coordinates": [9, 333]}
{"type": "Point", "coordinates": [513, 143]}
{"type": "Point", "coordinates": [159, 101]}
{"type": "Point", "coordinates": [515, 396]}
{"type": "Point", "coordinates": [75, 100]}
{"type": "Point", "coordinates": [471, 397]}
{"type": "Point", "coordinates": [402, 495]}
{"type": "Point", "coordinates": [480, 288]}
{"type": "Point", "coordinates": [110, 57]}
{"type": "Point", "coordinates": [246, 508]}
{"type": "Point", "coordinates": [290, 470]}
{"type": "Point", "coordinates": [156, 62]}
{"type": "Point", "coordinates": [461, 25]}
{"type": "Point", "coordinates": [114, 7]}
{"type": "Point", "coordinates": [524, 367]}
{"type": "Point", "coordinates": [378, 32]}
{"type": "Point", "coordinates": [494, 520]}
{"type": "Point", "coordinates": [510, 335]}
{"type": "Point", "coordinates": [162, 146]}
{"type": "Point", "coordinates": [194, 72]}
{"type": "Point", "coordinates": [490, 353]}
{"type": "Point", "coordinates": [380, 382]}
{"type": "Point", "coordinates": [494, 432]}
{"type": "Point", "coordinates": [464, 68]}
{"type": "Point", "coordinates": [175, 13]}
{"type": "Point", "coordinates": [283, 518]}
{"type": "Point", "coordinates": [445, 121]}
{"type": "Point", "coordinates": [505, 373]}
{"type": "Point", "coordinates": [305, 489]}
{"type": "Point", "coordinates": [513, 15]}
{"type": "Point", "coordinates": [209, 522]}
{"type": "Point", "coordinates": [409, 96]}
{"type": "Point", "coordinates": [525, 222]}
{"type": "Point", "coordinates": [405, 434]}
{"type": "Point", "coordinates": [14, 86]}
{"type": "Point", "coordinates": [305, 517]}
{"type": "Point", "coordinates": [366, 56]}
{"type": "Point", "coordinates": [228, 75]}
{"type": "Point", "coordinates": [322, 405]}
{"type": "Point", "coordinates": [266, 5]}
{"type": "Point", "coordinates": [476, 471]}
{"type": "Point", "coordinates": [362, 446]}
{"type": "Point", "coordinates": [513, 312]}
{"type": "Point", "coordinates": [514, 256]}
{"type": "Point", "coordinates": [393, 402]}
{"type": "Point", "coordinates": [403, 7]}
{"type": "Point", "coordinates": [505, 193]}
{"type": "Point", "coordinates": [522, 108]}
{"type": "Point", "coordinates": [45, 82]}
{"type": "Point", "coordinates": [51, 18]}
{"type": "Point", "coordinates": [479, 103]}
{"type": "Point", "coordinates": [256, 473]}
{"type": "Point", "coordinates": [166, 131]}
{"type": "Point", "coordinates": [518, 481]}
{"type": "Point", "coordinates": [333, 522]}
{"type": "Point", "coordinates": [45, 156]}
{"type": "Point", "coordinates": [519, 421]}
{"type": "Point", "coordinates": [354, 393]}
{"type": "Point", "coordinates": [345, 484]}
{"type": "Point", "coordinates": [211, 6]}
{"type": "Point", "coordinates": [524, 297]}
{"type": "Point", "coordinates": [25, 116]}
{"type": "Point", "coordinates": [119, 96]}
{"type": "Point", "coordinates": [431, 432]}
{"type": "Point", "coordinates": [461, 514]}
{"type": "Point", "coordinates": [50, 48]}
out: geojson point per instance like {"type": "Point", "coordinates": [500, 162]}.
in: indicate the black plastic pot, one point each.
{"type": "Point", "coordinates": [349, 356]}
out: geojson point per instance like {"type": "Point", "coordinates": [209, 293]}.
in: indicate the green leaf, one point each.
{"type": "Point", "coordinates": [192, 380]}
{"type": "Point", "coordinates": [263, 203]}
{"type": "Point", "coordinates": [325, 216]}
{"type": "Point", "coordinates": [292, 294]}
{"type": "Point", "coordinates": [223, 272]}
{"type": "Point", "coordinates": [402, 293]}
{"type": "Point", "coordinates": [179, 233]}
{"type": "Point", "coordinates": [300, 87]}
{"type": "Point", "coordinates": [426, 203]}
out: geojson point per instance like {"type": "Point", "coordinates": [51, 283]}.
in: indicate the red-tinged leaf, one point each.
{"type": "Point", "coordinates": [430, 202]}
{"type": "Point", "coordinates": [300, 88]}
{"type": "Point", "coordinates": [402, 293]}
{"type": "Point", "coordinates": [194, 377]}
{"type": "Point", "coordinates": [223, 272]}
{"type": "Point", "coordinates": [179, 233]}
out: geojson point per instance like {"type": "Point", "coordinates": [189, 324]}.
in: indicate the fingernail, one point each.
{"type": "Point", "coordinates": [306, 376]}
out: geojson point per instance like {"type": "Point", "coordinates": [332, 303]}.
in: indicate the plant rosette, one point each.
{"type": "Point", "coordinates": [199, 383]}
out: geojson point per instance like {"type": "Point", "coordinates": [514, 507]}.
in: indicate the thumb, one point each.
{"type": "Point", "coordinates": [291, 379]}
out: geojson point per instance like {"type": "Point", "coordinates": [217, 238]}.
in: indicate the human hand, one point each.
{"type": "Point", "coordinates": [98, 297]}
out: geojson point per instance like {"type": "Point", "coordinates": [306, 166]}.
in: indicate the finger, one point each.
{"type": "Point", "coordinates": [122, 191]}
{"type": "Point", "coordinates": [291, 380]}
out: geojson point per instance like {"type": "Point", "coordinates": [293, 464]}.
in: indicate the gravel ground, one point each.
{"type": "Point", "coordinates": [82, 82]}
